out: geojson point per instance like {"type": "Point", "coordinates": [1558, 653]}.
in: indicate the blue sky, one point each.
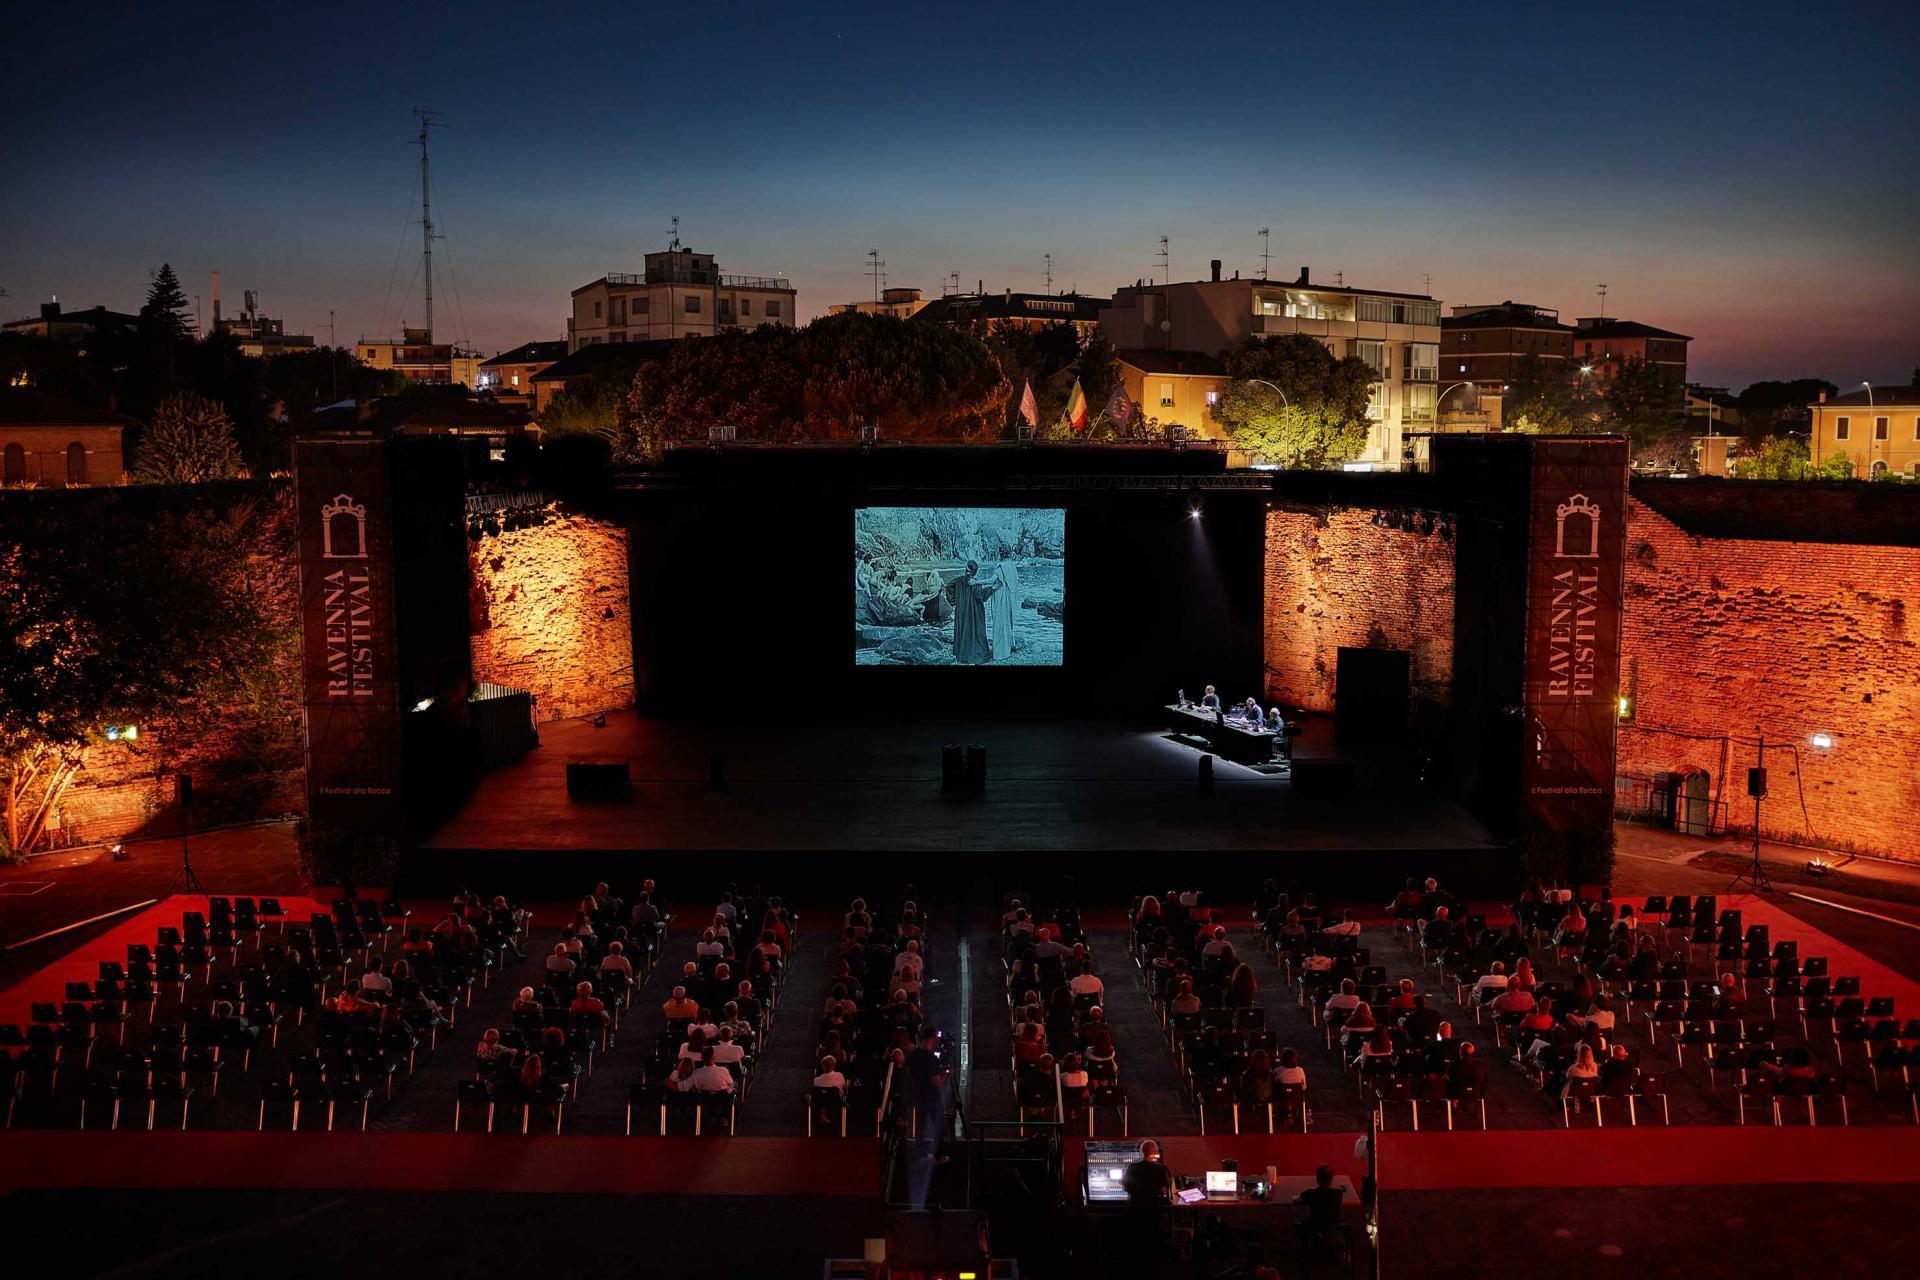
{"type": "Point", "coordinates": [1743, 173]}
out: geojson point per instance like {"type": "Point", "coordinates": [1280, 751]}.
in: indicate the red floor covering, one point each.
{"type": "Point", "coordinates": [440, 1162]}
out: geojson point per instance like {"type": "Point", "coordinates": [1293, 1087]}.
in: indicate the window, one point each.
{"type": "Point", "coordinates": [1213, 398]}
{"type": "Point", "coordinates": [641, 304]}
{"type": "Point", "coordinates": [1879, 467]}
{"type": "Point", "coordinates": [619, 310]}
{"type": "Point", "coordinates": [1166, 395]}
{"type": "Point", "coordinates": [773, 309]}
{"type": "Point", "coordinates": [16, 465]}
{"type": "Point", "coordinates": [1420, 361]}
{"type": "Point", "coordinates": [746, 307]}
{"type": "Point", "coordinates": [596, 310]}
{"type": "Point", "coordinates": [1841, 428]}
{"type": "Point", "coordinates": [1880, 428]}
{"type": "Point", "coordinates": [692, 304]}
{"type": "Point", "coordinates": [618, 335]}
{"type": "Point", "coordinates": [1372, 354]}
{"type": "Point", "coordinates": [1463, 366]}
{"type": "Point", "coordinates": [76, 463]}
{"type": "Point", "coordinates": [1420, 402]}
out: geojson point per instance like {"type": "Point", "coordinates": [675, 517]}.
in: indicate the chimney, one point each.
{"type": "Point", "coordinates": [1216, 271]}
{"type": "Point", "coordinates": [1303, 277]}
{"type": "Point", "coordinates": [50, 310]}
{"type": "Point", "coordinates": [216, 299]}
{"type": "Point", "coordinates": [1823, 395]}
{"type": "Point", "coordinates": [1007, 297]}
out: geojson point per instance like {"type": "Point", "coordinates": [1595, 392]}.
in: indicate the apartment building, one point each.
{"type": "Point", "coordinates": [1878, 428]}
{"type": "Point", "coordinates": [1396, 334]}
{"type": "Point", "coordinates": [680, 293]}
{"type": "Point", "coordinates": [900, 303]}
{"type": "Point", "coordinates": [1027, 310]}
{"type": "Point", "coordinates": [1601, 347]}
{"type": "Point", "coordinates": [418, 358]}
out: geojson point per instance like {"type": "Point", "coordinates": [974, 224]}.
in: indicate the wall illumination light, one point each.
{"type": "Point", "coordinates": [1624, 707]}
{"type": "Point", "coordinates": [1822, 740]}
{"type": "Point", "coordinates": [423, 704]}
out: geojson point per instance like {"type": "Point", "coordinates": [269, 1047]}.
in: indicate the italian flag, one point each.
{"type": "Point", "coordinates": [1077, 408]}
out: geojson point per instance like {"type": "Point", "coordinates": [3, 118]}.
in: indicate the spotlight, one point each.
{"type": "Point", "coordinates": [1818, 868]}
{"type": "Point", "coordinates": [119, 852]}
{"type": "Point", "coordinates": [1194, 512]}
{"type": "Point", "coordinates": [600, 721]}
{"type": "Point", "coordinates": [1822, 740]}
{"type": "Point", "coordinates": [424, 703]}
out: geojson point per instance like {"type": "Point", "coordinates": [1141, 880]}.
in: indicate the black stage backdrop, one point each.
{"type": "Point", "coordinates": [743, 582]}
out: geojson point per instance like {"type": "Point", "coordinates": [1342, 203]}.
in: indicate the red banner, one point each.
{"type": "Point", "coordinates": [349, 659]}
{"type": "Point", "coordinates": [1576, 559]}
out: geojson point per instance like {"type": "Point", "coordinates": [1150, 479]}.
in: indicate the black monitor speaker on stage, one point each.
{"type": "Point", "coordinates": [1372, 694]}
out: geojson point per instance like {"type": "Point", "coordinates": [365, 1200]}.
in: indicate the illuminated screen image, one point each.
{"type": "Point", "coordinates": [959, 586]}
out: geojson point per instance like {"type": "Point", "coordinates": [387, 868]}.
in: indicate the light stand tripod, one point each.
{"type": "Point", "coordinates": [1756, 872]}
{"type": "Point", "coordinates": [186, 881]}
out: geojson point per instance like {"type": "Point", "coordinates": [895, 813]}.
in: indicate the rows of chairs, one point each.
{"type": "Point", "coordinates": [882, 953]}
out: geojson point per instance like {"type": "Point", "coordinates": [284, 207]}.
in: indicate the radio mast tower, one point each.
{"type": "Point", "coordinates": [427, 121]}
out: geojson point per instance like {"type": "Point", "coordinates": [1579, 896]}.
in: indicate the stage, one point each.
{"type": "Point", "coordinates": [873, 784]}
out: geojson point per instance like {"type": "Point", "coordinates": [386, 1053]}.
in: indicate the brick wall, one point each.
{"type": "Point", "coordinates": [550, 614]}
{"type": "Point", "coordinates": [1334, 579]}
{"type": "Point", "coordinates": [1798, 638]}
{"type": "Point", "coordinates": [44, 452]}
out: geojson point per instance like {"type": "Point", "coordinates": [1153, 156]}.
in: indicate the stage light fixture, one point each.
{"type": "Point", "coordinates": [1822, 740]}
{"type": "Point", "coordinates": [1194, 512]}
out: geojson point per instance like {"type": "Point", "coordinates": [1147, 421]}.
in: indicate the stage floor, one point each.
{"type": "Point", "coordinates": [874, 785]}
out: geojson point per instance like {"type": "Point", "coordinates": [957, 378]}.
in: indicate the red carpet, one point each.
{"type": "Point", "coordinates": [441, 1162]}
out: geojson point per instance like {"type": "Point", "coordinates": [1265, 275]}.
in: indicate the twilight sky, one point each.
{"type": "Point", "coordinates": [1745, 173]}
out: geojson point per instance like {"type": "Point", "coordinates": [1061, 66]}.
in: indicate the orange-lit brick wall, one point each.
{"type": "Point", "coordinates": [1334, 579]}
{"type": "Point", "coordinates": [1724, 635]}
{"type": "Point", "coordinates": [550, 614]}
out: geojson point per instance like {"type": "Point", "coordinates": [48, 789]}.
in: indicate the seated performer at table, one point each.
{"type": "Point", "coordinates": [1251, 713]}
{"type": "Point", "coordinates": [1210, 701]}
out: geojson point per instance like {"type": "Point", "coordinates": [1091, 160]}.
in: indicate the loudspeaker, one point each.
{"type": "Point", "coordinates": [1757, 783]}
{"type": "Point", "coordinates": [597, 778]}
{"type": "Point", "coordinates": [1206, 772]}
{"type": "Point", "coordinates": [183, 790]}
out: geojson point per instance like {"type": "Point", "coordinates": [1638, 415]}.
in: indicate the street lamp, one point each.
{"type": "Point", "coordinates": [1443, 395]}
{"type": "Point", "coordinates": [1869, 387]}
{"type": "Point", "coordinates": [1262, 382]}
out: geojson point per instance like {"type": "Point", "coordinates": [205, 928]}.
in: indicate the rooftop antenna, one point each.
{"type": "Point", "coordinates": [673, 235]}
{"type": "Point", "coordinates": [875, 265]}
{"type": "Point", "coordinates": [1266, 243]}
{"type": "Point", "coordinates": [1340, 279]}
{"type": "Point", "coordinates": [428, 121]}
{"type": "Point", "coordinates": [1426, 280]}
{"type": "Point", "coordinates": [1165, 274]}
{"type": "Point", "coordinates": [954, 276]}
{"type": "Point", "coordinates": [1049, 258]}
{"type": "Point", "coordinates": [1602, 288]}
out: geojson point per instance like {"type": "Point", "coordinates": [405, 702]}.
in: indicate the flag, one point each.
{"type": "Point", "coordinates": [1119, 409]}
{"type": "Point", "coordinates": [1029, 407]}
{"type": "Point", "coordinates": [1077, 407]}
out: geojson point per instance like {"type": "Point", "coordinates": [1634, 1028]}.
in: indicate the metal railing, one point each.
{"type": "Point", "coordinates": [700, 278]}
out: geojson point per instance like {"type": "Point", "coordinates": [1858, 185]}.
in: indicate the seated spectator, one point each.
{"type": "Point", "coordinates": [1406, 903]}
{"type": "Point", "coordinates": [1467, 1071]}
{"type": "Point", "coordinates": [1241, 988]}
{"type": "Point", "coordinates": [615, 961]}
{"type": "Point", "coordinates": [1437, 933]}
{"type": "Point", "coordinates": [1490, 984]}
{"type": "Point", "coordinates": [1184, 1002]}
{"type": "Point", "coordinates": [1731, 1003]}
{"type": "Point", "coordinates": [1599, 1015]}
{"type": "Point", "coordinates": [561, 961]}
{"type": "Point", "coordinates": [1378, 1044]}
{"type": "Point", "coordinates": [1073, 1075]}
{"type": "Point", "coordinates": [1255, 1086]}
{"type": "Point", "coordinates": [1216, 942]}
{"type": "Point", "coordinates": [679, 1006]}
{"type": "Point", "coordinates": [526, 1003]}
{"type": "Point", "coordinates": [909, 961]}
{"type": "Point", "coordinates": [1029, 1047]}
{"type": "Point", "coordinates": [1086, 982]}
{"type": "Point", "coordinates": [352, 1003]}
{"type": "Point", "coordinates": [1100, 1060]}
{"type": "Point", "coordinates": [1402, 999]}
{"type": "Point", "coordinates": [1345, 927]}
{"type": "Point", "coordinates": [491, 1054]}
{"type": "Point", "coordinates": [710, 1076]}
{"type": "Point", "coordinates": [1342, 1001]}
{"type": "Point", "coordinates": [1421, 1023]}
{"type": "Point", "coordinates": [1322, 1201]}
{"type": "Point", "coordinates": [1289, 1071]}
{"type": "Point", "coordinates": [681, 1081]}
{"type": "Point", "coordinates": [1572, 932]}
{"type": "Point", "coordinates": [1617, 1068]}
{"type": "Point", "coordinates": [829, 1077]}
{"type": "Point", "coordinates": [374, 983]}
{"type": "Point", "coordinates": [1513, 999]}
{"type": "Point", "coordinates": [709, 946]}
{"type": "Point", "coordinates": [585, 1003]}
{"type": "Point", "coordinates": [1359, 1024]}
{"type": "Point", "coordinates": [1583, 1068]}
{"type": "Point", "coordinates": [1522, 976]}
{"type": "Point", "coordinates": [532, 1076]}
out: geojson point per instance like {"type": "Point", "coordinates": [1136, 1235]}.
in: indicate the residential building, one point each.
{"type": "Point", "coordinates": [419, 358]}
{"type": "Point", "coordinates": [257, 334]}
{"type": "Point", "coordinates": [1877, 428]}
{"type": "Point", "coordinates": [430, 414]}
{"type": "Point", "coordinates": [680, 293]}
{"type": "Point", "coordinates": [51, 443]}
{"type": "Point", "coordinates": [1028, 310]}
{"type": "Point", "coordinates": [73, 326]}
{"type": "Point", "coordinates": [597, 358]}
{"type": "Point", "coordinates": [901, 303]}
{"type": "Point", "coordinates": [1396, 334]}
{"type": "Point", "coordinates": [1179, 388]}
{"type": "Point", "coordinates": [1482, 344]}
{"type": "Point", "coordinates": [509, 375]}
{"type": "Point", "coordinates": [1601, 347]}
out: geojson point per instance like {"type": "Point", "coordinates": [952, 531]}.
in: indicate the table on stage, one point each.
{"type": "Point", "coordinates": [1232, 739]}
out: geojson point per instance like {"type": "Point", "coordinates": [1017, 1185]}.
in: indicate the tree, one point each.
{"type": "Point", "coordinates": [189, 441]}
{"type": "Point", "coordinates": [165, 313]}
{"type": "Point", "coordinates": [1318, 417]}
{"type": "Point", "coordinates": [117, 614]}
{"type": "Point", "coordinates": [1644, 403]}
{"type": "Point", "coordinates": [1099, 370]}
{"type": "Point", "coordinates": [1770, 408]}
{"type": "Point", "coordinates": [1540, 399]}
{"type": "Point", "coordinates": [1775, 458]}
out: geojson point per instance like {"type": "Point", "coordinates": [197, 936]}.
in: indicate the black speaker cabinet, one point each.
{"type": "Point", "coordinates": [598, 778]}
